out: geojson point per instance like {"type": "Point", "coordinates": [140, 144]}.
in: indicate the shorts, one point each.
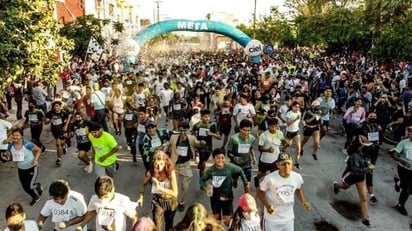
{"type": "Point", "coordinates": [225, 129]}
{"type": "Point", "coordinates": [307, 131]}
{"type": "Point", "coordinates": [84, 146]}
{"type": "Point", "coordinates": [58, 133]}
{"type": "Point", "coordinates": [269, 225]}
{"type": "Point", "coordinates": [325, 123]}
{"type": "Point", "coordinates": [405, 175]}
{"type": "Point", "coordinates": [204, 156]}
{"type": "Point", "coordinates": [221, 207]}
{"type": "Point", "coordinates": [291, 135]}
{"type": "Point", "coordinates": [351, 179]}
{"type": "Point", "coordinates": [265, 167]}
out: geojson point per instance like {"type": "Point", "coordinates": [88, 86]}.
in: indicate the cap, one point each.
{"type": "Point", "coordinates": [284, 157]}
{"type": "Point", "coordinates": [247, 203]}
{"type": "Point", "coordinates": [364, 141]}
{"type": "Point", "coordinates": [151, 123]}
{"type": "Point", "coordinates": [315, 103]}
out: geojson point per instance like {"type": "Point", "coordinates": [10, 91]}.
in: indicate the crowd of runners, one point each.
{"type": "Point", "coordinates": [171, 109]}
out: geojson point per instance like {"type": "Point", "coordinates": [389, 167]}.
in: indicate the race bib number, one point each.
{"type": "Point", "coordinates": [81, 132]}
{"type": "Point", "coordinates": [33, 118]}
{"type": "Point", "coordinates": [129, 82]}
{"type": "Point", "coordinates": [265, 83]}
{"type": "Point", "coordinates": [156, 143]}
{"type": "Point", "coordinates": [18, 156]}
{"type": "Point", "coordinates": [203, 131]}
{"type": "Point", "coordinates": [286, 194]}
{"type": "Point", "coordinates": [373, 136]}
{"type": "Point", "coordinates": [61, 215]}
{"type": "Point", "coordinates": [182, 151]}
{"type": "Point", "coordinates": [243, 148]}
{"type": "Point", "coordinates": [128, 117]}
{"type": "Point", "coordinates": [141, 128]}
{"type": "Point", "coordinates": [177, 107]}
{"type": "Point", "coordinates": [409, 154]}
{"type": "Point", "coordinates": [58, 121]}
{"type": "Point", "coordinates": [106, 216]}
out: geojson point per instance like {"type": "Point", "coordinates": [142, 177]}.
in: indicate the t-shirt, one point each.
{"type": "Point", "coordinates": [280, 192]}
{"type": "Point", "coordinates": [103, 145]}
{"type": "Point", "coordinates": [325, 106]}
{"type": "Point", "coordinates": [240, 111]}
{"type": "Point", "coordinates": [115, 211]}
{"type": "Point", "coordinates": [266, 140]}
{"type": "Point", "coordinates": [75, 206]}
{"type": "Point", "coordinates": [28, 225]}
{"type": "Point", "coordinates": [294, 127]}
{"type": "Point", "coordinates": [23, 157]}
{"type": "Point", "coordinates": [404, 148]}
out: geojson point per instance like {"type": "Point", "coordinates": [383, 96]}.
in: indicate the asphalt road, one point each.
{"type": "Point", "coordinates": [341, 211]}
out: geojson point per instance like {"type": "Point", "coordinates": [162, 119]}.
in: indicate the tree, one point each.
{"type": "Point", "coordinates": [81, 30]}
{"type": "Point", "coordinates": [30, 39]}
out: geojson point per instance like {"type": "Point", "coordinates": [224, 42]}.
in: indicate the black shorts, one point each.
{"type": "Point", "coordinates": [224, 207]}
{"type": "Point", "coordinates": [325, 123]}
{"type": "Point", "coordinates": [351, 179]}
{"type": "Point", "coordinates": [291, 135]}
{"type": "Point", "coordinates": [84, 146]}
{"type": "Point", "coordinates": [265, 167]}
{"type": "Point", "coordinates": [225, 129]}
{"type": "Point", "coordinates": [58, 133]}
{"type": "Point", "coordinates": [204, 156]}
{"type": "Point", "coordinates": [307, 131]}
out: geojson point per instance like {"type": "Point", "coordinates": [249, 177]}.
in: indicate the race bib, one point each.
{"type": "Point", "coordinates": [243, 148]}
{"type": "Point", "coordinates": [81, 132]}
{"type": "Point", "coordinates": [58, 121]}
{"type": "Point", "coordinates": [356, 118]}
{"type": "Point", "coordinates": [409, 154]}
{"type": "Point", "coordinates": [265, 83]}
{"type": "Point", "coordinates": [203, 131]}
{"type": "Point", "coordinates": [61, 215]}
{"type": "Point", "coordinates": [156, 143]}
{"type": "Point", "coordinates": [129, 82]}
{"type": "Point", "coordinates": [18, 156]}
{"type": "Point", "coordinates": [225, 111]}
{"type": "Point", "coordinates": [128, 117]}
{"type": "Point", "coordinates": [286, 194]}
{"type": "Point", "coordinates": [373, 136]}
{"type": "Point", "coordinates": [141, 128]}
{"type": "Point", "coordinates": [182, 151]}
{"type": "Point", "coordinates": [33, 118]}
{"type": "Point", "coordinates": [106, 216]}
{"type": "Point", "coordinates": [177, 107]}
{"type": "Point", "coordinates": [98, 149]}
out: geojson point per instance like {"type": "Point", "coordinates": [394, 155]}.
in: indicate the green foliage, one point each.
{"type": "Point", "coordinates": [30, 38]}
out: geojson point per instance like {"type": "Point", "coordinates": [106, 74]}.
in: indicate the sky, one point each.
{"type": "Point", "coordinates": [198, 9]}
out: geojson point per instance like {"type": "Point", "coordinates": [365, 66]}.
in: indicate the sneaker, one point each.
{"type": "Point", "coordinates": [366, 222]}
{"type": "Point", "coordinates": [298, 166]}
{"type": "Point", "coordinates": [128, 148]}
{"type": "Point", "coordinates": [335, 188]}
{"type": "Point", "coordinates": [34, 200]}
{"type": "Point", "coordinates": [39, 189]}
{"type": "Point", "coordinates": [397, 186]}
{"type": "Point", "coordinates": [401, 209]}
{"type": "Point", "coordinates": [344, 151]}
{"type": "Point", "coordinates": [58, 162]}
{"type": "Point", "coordinates": [64, 149]}
{"type": "Point", "coordinates": [315, 157]}
{"type": "Point", "coordinates": [181, 207]}
{"type": "Point", "coordinates": [89, 168]}
{"type": "Point", "coordinates": [373, 200]}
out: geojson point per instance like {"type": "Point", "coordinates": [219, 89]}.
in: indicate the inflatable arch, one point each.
{"type": "Point", "coordinates": [253, 47]}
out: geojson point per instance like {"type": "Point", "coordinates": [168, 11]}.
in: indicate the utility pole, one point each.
{"type": "Point", "coordinates": [254, 20]}
{"type": "Point", "coordinates": [158, 10]}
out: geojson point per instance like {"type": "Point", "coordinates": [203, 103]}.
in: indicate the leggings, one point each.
{"type": "Point", "coordinates": [28, 178]}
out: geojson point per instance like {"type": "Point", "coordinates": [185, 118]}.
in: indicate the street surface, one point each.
{"type": "Point", "coordinates": [340, 210]}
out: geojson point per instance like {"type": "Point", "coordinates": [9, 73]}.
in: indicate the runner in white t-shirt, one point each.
{"type": "Point", "coordinates": [293, 118]}
{"type": "Point", "coordinates": [66, 208]}
{"type": "Point", "coordinates": [16, 219]}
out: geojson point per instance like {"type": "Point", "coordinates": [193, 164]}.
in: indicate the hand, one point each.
{"type": "Point", "coordinates": [271, 209]}
{"type": "Point", "coordinates": [247, 188]}
{"type": "Point", "coordinates": [140, 201]}
{"type": "Point", "coordinates": [40, 225]}
{"type": "Point", "coordinates": [78, 228]}
{"type": "Point", "coordinates": [61, 225]}
{"type": "Point", "coordinates": [35, 162]}
{"type": "Point", "coordinates": [102, 158]}
{"type": "Point", "coordinates": [271, 149]}
{"type": "Point", "coordinates": [253, 159]}
{"type": "Point", "coordinates": [307, 206]}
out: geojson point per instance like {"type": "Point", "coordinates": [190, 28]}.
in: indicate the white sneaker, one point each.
{"type": "Point", "coordinates": [344, 151]}
{"type": "Point", "coordinates": [89, 168]}
{"type": "Point", "coordinates": [128, 148]}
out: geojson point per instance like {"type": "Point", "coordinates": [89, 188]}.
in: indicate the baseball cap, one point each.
{"type": "Point", "coordinates": [284, 157]}
{"type": "Point", "coordinates": [247, 203]}
{"type": "Point", "coordinates": [315, 103]}
{"type": "Point", "coordinates": [364, 141]}
{"type": "Point", "coordinates": [151, 123]}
